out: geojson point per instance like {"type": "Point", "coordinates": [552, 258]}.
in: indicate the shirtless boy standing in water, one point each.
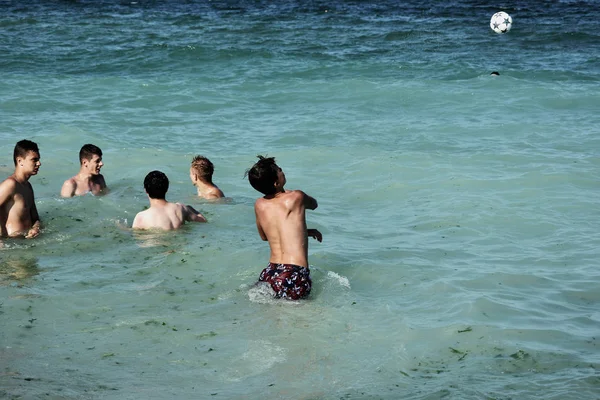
{"type": "Point", "coordinates": [89, 178]}
{"type": "Point", "coordinates": [163, 214]}
{"type": "Point", "coordinates": [18, 213]}
{"type": "Point", "coordinates": [281, 220]}
{"type": "Point", "coordinates": [201, 173]}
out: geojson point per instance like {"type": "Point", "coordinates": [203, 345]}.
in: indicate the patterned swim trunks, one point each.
{"type": "Point", "coordinates": [289, 281]}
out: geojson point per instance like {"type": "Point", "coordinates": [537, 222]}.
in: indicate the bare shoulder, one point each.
{"type": "Point", "coordinates": [218, 193]}
{"type": "Point", "coordinates": [178, 206]}
{"type": "Point", "coordinates": [259, 202]}
{"type": "Point", "coordinates": [213, 193]}
{"type": "Point", "coordinates": [296, 195]}
{"type": "Point", "coordinates": [180, 209]}
{"type": "Point", "coordinates": [262, 204]}
{"type": "Point", "coordinates": [309, 202]}
{"type": "Point", "coordinates": [68, 188]}
{"type": "Point", "coordinates": [189, 213]}
{"type": "Point", "coordinates": [70, 182]}
{"type": "Point", "coordinates": [8, 184]}
{"type": "Point", "coordinates": [138, 221]}
{"type": "Point", "coordinates": [8, 188]}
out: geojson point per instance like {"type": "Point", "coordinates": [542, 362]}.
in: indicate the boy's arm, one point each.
{"type": "Point", "coordinates": [104, 189]}
{"type": "Point", "coordinates": [34, 230]}
{"type": "Point", "coordinates": [310, 203]}
{"type": "Point", "coordinates": [261, 232]}
{"type": "Point", "coordinates": [190, 214]}
{"type": "Point", "coordinates": [7, 190]}
{"type": "Point", "coordinates": [35, 218]}
{"type": "Point", "coordinates": [68, 188]}
{"type": "Point", "coordinates": [137, 222]}
{"type": "Point", "coordinates": [315, 234]}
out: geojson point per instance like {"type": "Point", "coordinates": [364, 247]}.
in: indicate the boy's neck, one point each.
{"type": "Point", "coordinates": [84, 174]}
{"type": "Point", "coordinates": [202, 185]}
{"type": "Point", "coordinates": [157, 202]}
{"type": "Point", "coordinates": [21, 177]}
{"type": "Point", "coordinates": [276, 194]}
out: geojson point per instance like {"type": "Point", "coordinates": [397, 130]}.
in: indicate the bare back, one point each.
{"type": "Point", "coordinates": [165, 215]}
{"type": "Point", "coordinates": [211, 193]}
{"type": "Point", "coordinates": [207, 190]}
{"type": "Point", "coordinates": [17, 208]}
{"type": "Point", "coordinates": [282, 221]}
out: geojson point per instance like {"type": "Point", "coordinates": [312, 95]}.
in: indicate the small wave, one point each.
{"type": "Point", "coordinates": [261, 356]}
{"type": "Point", "coordinates": [342, 280]}
{"type": "Point", "coordinates": [146, 286]}
{"type": "Point", "coordinates": [261, 293]}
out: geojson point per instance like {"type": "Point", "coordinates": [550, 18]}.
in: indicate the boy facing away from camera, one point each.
{"type": "Point", "coordinates": [163, 214]}
{"type": "Point", "coordinates": [281, 220]}
{"type": "Point", "coordinates": [201, 172]}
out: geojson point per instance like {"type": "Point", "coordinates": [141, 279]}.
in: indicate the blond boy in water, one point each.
{"type": "Point", "coordinates": [201, 172]}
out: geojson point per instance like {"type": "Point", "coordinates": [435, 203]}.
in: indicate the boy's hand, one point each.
{"type": "Point", "coordinates": [33, 232]}
{"type": "Point", "coordinates": [193, 214]}
{"type": "Point", "coordinates": [315, 234]}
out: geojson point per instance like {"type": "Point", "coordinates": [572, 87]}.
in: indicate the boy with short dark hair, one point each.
{"type": "Point", "coordinates": [89, 179]}
{"type": "Point", "coordinates": [163, 214]}
{"type": "Point", "coordinates": [281, 220]}
{"type": "Point", "coordinates": [18, 213]}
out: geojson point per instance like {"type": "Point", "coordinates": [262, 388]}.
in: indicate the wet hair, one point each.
{"type": "Point", "coordinates": [156, 184]}
{"type": "Point", "coordinates": [87, 152]}
{"type": "Point", "coordinates": [263, 175]}
{"type": "Point", "coordinates": [495, 73]}
{"type": "Point", "coordinates": [203, 168]}
{"type": "Point", "coordinates": [23, 147]}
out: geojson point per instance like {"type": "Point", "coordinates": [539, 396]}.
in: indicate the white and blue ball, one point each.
{"type": "Point", "coordinates": [501, 22]}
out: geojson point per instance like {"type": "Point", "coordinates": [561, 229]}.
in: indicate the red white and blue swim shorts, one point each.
{"type": "Point", "coordinates": [289, 281]}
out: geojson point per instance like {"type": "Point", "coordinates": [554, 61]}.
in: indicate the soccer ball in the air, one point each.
{"type": "Point", "coordinates": [501, 22]}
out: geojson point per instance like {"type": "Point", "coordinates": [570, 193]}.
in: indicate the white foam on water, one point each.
{"type": "Point", "coordinates": [262, 293]}
{"type": "Point", "coordinates": [341, 280]}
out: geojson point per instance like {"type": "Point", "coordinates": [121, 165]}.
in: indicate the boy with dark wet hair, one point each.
{"type": "Point", "coordinates": [163, 214]}
{"type": "Point", "coordinates": [201, 173]}
{"type": "Point", "coordinates": [89, 179]}
{"type": "Point", "coordinates": [281, 220]}
{"type": "Point", "coordinates": [18, 212]}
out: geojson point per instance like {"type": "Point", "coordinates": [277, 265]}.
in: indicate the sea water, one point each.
{"type": "Point", "coordinates": [459, 210]}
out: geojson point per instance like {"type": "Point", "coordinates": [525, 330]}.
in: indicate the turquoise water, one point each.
{"type": "Point", "coordinates": [459, 210]}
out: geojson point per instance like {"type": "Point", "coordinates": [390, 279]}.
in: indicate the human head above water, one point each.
{"type": "Point", "coordinates": [88, 151]}
{"type": "Point", "coordinates": [156, 184]}
{"type": "Point", "coordinates": [203, 168]}
{"type": "Point", "coordinates": [23, 147]}
{"type": "Point", "coordinates": [263, 175]}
